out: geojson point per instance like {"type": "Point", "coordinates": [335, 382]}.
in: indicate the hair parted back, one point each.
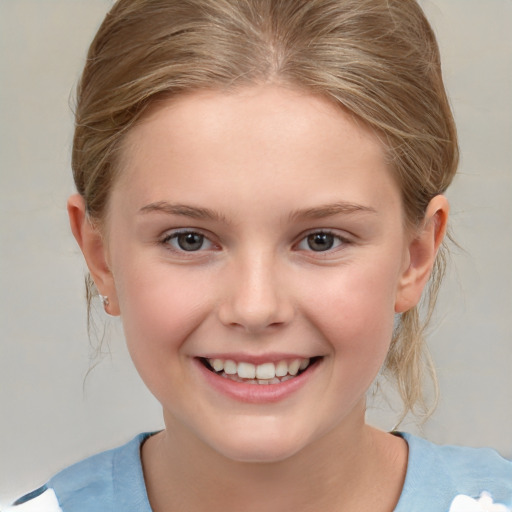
{"type": "Point", "coordinates": [376, 58]}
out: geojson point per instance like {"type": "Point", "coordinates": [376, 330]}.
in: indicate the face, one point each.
{"type": "Point", "coordinates": [257, 251]}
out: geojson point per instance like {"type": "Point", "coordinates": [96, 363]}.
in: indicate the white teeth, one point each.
{"type": "Point", "coordinates": [281, 369]}
{"type": "Point", "coordinates": [230, 367]}
{"type": "Point", "coordinates": [266, 373]}
{"type": "Point", "coordinates": [217, 364]}
{"type": "Point", "coordinates": [304, 364]}
{"type": "Point", "coordinates": [246, 370]}
{"type": "Point", "coordinates": [293, 368]}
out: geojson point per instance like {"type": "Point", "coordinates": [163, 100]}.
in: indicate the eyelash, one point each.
{"type": "Point", "coordinates": [337, 240]}
{"type": "Point", "coordinates": [334, 242]}
{"type": "Point", "coordinates": [174, 236]}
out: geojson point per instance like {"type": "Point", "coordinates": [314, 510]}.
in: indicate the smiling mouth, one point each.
{"type": "Point", "coordinates": [266, 373]}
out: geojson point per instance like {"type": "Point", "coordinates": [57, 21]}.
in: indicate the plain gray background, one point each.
{"type": "Point", "coordinates": [50, 417]}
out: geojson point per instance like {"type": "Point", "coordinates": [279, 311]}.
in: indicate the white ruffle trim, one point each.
{"type": "Point", "coordinates": [46, 502]}
{"type": "Point", "coordinates": [463, 503]}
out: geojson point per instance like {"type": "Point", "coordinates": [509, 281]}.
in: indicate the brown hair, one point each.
{"type": "Point", "coordinates": [377, 58]}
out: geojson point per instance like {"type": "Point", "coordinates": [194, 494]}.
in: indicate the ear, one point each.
{"type": "Point", "coordinates": [92, 244]}
{"type": "Point", "coordinates": [421, 254]}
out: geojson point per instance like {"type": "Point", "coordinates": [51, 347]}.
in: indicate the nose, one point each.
{"type": "Point", "coordinates": [256, 297]}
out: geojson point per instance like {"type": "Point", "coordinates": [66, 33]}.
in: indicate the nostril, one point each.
{"type": "Point", "coordinates": [255, 304]}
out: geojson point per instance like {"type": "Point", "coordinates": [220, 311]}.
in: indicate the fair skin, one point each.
{"type": "Point", "coordinates": [257, 227]}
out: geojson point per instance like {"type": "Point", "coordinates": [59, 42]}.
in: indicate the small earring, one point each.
{"type": "Point", "coordinates": [104, 300]}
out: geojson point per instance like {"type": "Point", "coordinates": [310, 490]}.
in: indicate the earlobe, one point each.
{"type": "Point", "coordinates": [93, 247]}
{"type": "Point", "coordinates": [422, 252]}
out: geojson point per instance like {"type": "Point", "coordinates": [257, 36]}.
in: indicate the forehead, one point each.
{"type": "Point", "coordinates": [259, 109]}
{"type": "Point", "coordinates": [262, 139]}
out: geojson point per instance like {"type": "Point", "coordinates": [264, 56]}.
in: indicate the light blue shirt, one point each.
{"type": "Point", "coordinates": [113, 481]}
{"type": "Point", "coordinates": [436, 474]}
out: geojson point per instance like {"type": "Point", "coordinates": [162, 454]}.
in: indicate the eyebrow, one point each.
{"type": "Point", "coordinates": [182, 209]}
{"type": "Point", "coordinates": [328, 210]}
{"type": "Point", "coordinates": [195, 212]}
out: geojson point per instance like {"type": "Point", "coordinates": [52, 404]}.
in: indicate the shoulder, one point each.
{"type": "Point", "coordinates": [95, 483]}
{"type": "Point", "coordinates": [437, 474]}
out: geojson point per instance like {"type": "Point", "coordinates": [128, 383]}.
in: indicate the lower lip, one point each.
{"type": "Point", "coordinates": [256, 393]}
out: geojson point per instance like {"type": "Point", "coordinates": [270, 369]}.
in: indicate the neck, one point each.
{"type": "Point", "coordinates": [337, 472]}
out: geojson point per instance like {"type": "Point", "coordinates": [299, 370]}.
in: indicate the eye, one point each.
{"type": "Point", "coordinates": [188, 241]}
{"type": "Point", "coordinates": [320, 241]}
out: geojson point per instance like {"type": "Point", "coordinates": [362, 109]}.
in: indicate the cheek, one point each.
{"type": "Point", "coordinates": [160, 311]}
{"type": "Point", "coordinates": [354, 309]}
{"type": "Point", "coordinates": [160, 307]}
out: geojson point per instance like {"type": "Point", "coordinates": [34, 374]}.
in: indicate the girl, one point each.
{"type": "Point", "coordinates": [260, 198]}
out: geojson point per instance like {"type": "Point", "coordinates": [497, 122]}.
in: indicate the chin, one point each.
{"type": "Point", "coordinates": [258, 448]}
{"type": "Point", "coordinates": [261, 454]}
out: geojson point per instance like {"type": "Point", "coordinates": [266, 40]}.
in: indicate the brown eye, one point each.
{"type": "Point", "coordinates": [320, 241]}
